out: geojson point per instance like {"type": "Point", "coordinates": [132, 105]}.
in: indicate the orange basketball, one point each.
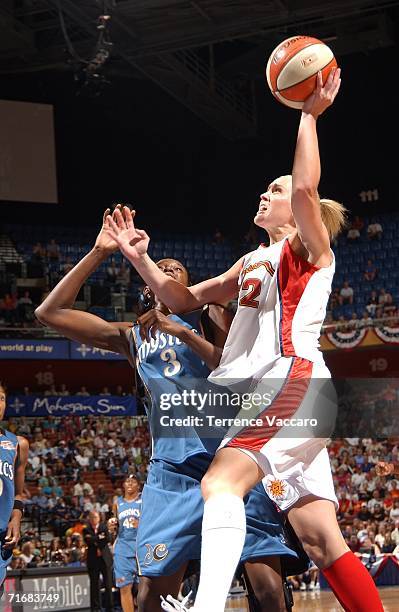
{"type": "Point", "coordinates": [293, 66]}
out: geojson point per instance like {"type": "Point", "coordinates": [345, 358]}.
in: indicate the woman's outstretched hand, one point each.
{"type": "Point", "coordinates": [324, 95]}
{"type": "Point", "coordinates": [131, 241]}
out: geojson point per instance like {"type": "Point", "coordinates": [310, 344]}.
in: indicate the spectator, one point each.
{"type": "Point", "coordinates": [353, 234]}
{"type": "Point", "coordinates": [366, 320]}
{"type": "Point", "coordinates": [112, 272]}
{"type": "Point", "coordinates": [372, 303]}
{"type": "Point", "coordinates": [123, 276]}
{"type": "Point", "coordinates": [218, 237]}
{"type": "Point", "coordinates": [353, 322]}
{"type": "Point", "coordinates": [8, 306]}
{"type": "Point", "coordinates": [395, 533]}
{"type": "Point", "coordinates": [27, 552]}
{"type": "Point", "coordinates": [346, 294]}
{"type": "Point", "coordinates": [53, 251]}
{"type": "Point", "coordinates": [99, 560]}
{"type": "Point", "coordinates": [38, 253]}
{"type": "Point", "coordinates": [370, 272]}
{"type": "Point", "coordinates": [384, 297]}
{"type": "Point", "coordinates": [334, 299]}
{"type": "Point", "coordinates": [83, 392]}
{"type": "Point", "coordinates": [51, 391]}
{"type": "Point", "coordinates": [82, 487]}
{"type": "Point", "coordinates": [374, 230]}
{"type": "Point", "coordinates": [25, 307]}
{"type": "Point", "coordinates": [388, 545]}
{"type": "Point", "coordinates": [105, 391]}
{"type": "Point", "coordinates": [63, 392]}
{"type": "Point", "coordinates": [364, 513]}
{"type": "Point", "coordinates": [357, 223]}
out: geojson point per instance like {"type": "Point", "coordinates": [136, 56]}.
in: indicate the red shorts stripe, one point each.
{"type": "Point", "coordinates": [284, 406]}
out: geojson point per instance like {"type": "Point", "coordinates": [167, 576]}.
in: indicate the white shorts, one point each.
{"type": "Point", "coordinates": [289, 430]}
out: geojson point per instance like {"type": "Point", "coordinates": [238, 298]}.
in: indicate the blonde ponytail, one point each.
{"type": "Point", "coordinates": [333, 215]}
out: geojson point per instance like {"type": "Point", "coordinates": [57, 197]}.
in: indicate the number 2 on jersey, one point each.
{"type": "Point", "coordinates": [254, 285]}
{"type": "Point", "coordinates": [174, 366]}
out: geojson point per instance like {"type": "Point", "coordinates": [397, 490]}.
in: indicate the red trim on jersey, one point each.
{"type": "Point", "coordinates": [284, 406]}
{"type": "Point", "coordinates": [294, 273]}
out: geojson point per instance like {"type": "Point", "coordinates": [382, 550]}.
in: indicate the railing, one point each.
{"type": "Point", "coordinates": [203, 72]}
{"type": "Point", "coordinates": [357, 324]}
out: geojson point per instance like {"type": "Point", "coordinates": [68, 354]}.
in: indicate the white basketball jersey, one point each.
{"type": "Point", "coordinates": [281, 307]}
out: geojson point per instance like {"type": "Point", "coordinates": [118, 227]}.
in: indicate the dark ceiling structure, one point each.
{"type": "Point", "coordinates": [205, 53]}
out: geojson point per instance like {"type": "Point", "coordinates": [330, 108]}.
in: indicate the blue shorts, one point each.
{"type": "Point", "coordinates": [5, 556]}
{"type": "Point", "coordinates": [169, 532]}
{"type": "Point", "coordinates": [3, 573]}
{"type": "Point", "coordinates": [125, 570]}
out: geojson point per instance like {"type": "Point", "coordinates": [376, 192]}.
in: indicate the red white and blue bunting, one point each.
{"type": "Point", "coordinates": [347, 339]}
{"type": "Point", "coordinates": [388, 334]}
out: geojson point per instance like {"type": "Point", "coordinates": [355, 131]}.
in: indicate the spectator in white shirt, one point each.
{"type": "Point", "coordinates": [394, 512]}
{"type": "Point", "coordinates": [353, 234]}
{"type": "Point", "coordinates": [374, 231]}
{"type": "Point", "coordinates": [346, 294]}
{"type": "Point", "coordinates": [374, 500]}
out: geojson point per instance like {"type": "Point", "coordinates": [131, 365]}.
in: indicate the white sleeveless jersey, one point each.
{"type": "Point", "coordinates": [281, 307]}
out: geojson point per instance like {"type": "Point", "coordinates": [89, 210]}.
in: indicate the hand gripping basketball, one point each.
{"type": "Point", "coordinates": [324, 95]}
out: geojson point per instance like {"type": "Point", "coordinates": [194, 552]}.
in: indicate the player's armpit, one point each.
{"type": "Point", "coordinates": [219, 289]}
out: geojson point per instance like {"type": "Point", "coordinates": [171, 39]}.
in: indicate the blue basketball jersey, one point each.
{"type": "Point", "coordinates": [8, 456]}
{"type": "Point", "coordinates": [167, 366]}
{"type": "Point", "coordinates": [128, 515]}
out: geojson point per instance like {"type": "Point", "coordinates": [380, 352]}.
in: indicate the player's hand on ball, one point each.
{"type": "Point", "coordinates": [323, 96]}
{"type": "Point", "coordinates": [383, 468]}
{"type": "Point", "coordinates": [153, 321]}
{"type": "Point", "coordinates": [120, 227]}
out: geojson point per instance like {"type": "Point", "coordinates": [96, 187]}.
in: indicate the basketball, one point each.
{"type": "Point", "coordinates": [293, 66]}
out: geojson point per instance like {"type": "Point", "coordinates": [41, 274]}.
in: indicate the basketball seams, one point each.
{"type": "Point", "coordinates": [283, 73]}
{"type": "Point", "coordinates": [281, 91]}
{"type": "Point", "coordinates": [271, 73]}
{"type": "Point", "coordinates": [290, 60]}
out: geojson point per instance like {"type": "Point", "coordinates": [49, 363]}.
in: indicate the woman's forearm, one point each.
{"type": "Point", "coordinates": [174, 295]}
{"type": "Point", "coordinates": [306, 168]}
{"type": "Point", "coordinates": [209, 353]}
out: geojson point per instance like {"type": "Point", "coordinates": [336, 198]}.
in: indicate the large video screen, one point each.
{"type": "Point", "coordinates": [27, 153]}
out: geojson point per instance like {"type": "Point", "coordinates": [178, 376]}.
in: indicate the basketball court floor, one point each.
{"type": "Point", "coordinates": [324, 601]}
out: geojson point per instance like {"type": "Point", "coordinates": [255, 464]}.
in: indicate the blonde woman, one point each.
{"type": "Point", "coordinates": [283, 290]}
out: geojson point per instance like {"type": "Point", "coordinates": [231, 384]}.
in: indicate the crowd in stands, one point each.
{"type": "Point", "coordinates": [365, 289]}
{"type": "Point", "coordinates": [77, 464]}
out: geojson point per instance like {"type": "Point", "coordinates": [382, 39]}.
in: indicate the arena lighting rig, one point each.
{"type": "Point", "coordinates": [87, 72]}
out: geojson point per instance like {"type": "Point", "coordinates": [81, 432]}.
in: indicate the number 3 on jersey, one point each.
{"type": "Point", "coordinates": [174, 366]}
{"type": "Point", "coordinates": [254, 285]}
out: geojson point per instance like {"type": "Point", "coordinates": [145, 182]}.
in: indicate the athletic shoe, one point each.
{"type": "Point", "coordinates": [170, 604]}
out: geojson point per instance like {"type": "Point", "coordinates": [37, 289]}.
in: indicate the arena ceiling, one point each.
{"type": "Point", "coordinates": [205, 53]}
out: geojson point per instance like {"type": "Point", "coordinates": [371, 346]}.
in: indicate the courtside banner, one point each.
{"type": "Point", "coordinates": [86, 353]}
{"type": "Point", "coordinates": [33, 405]}
{"type": "Point", "coordinates": [34, 349]}
{"type": "Point", "coordinates": [53, 349]}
